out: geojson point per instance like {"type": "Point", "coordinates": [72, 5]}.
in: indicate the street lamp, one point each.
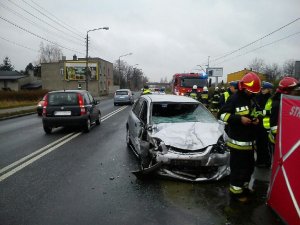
{"type": "Point", "coordinates": [87, 53]}
{"type": "Point", "coordinates": [120, 68]}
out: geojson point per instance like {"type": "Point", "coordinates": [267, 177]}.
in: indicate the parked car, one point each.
{"type": "Point", "coordinates": [177, 137]}
{"type": "Point", "coordinates": [123, 96]}
{"type": "Point", "coordinates": [39, 106]}
{"type": "Point", "coordinates": [69, 108]}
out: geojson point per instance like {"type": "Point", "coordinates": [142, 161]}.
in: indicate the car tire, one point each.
{"type": "Point", "coordinates": [87, 126]}
{"type": "Point", "coordinates": [47, 130]}
{"type": "Point", "coordinates": [115, 104]}
{"type": "Point", "coordinates": [98, 120]}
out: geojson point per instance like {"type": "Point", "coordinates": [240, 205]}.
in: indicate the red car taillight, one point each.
{"type": "Point", "coordinates": [81, 105]}
{"type": "Point", "coordinates": [45, 105]}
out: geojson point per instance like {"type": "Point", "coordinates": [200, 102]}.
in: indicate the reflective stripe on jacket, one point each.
{"type": "Point", "coordinates": [267, 113]}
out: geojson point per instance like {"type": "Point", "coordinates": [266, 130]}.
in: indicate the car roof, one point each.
{"type": "Point", "coordinates": [123, 90]}
{"type": "Point", "coordinates": [169, 98]}
{"type": "Point", "coordinates": [77, 91]}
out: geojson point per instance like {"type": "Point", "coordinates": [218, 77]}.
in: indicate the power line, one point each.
{"type": "Point", "coordinates": [56, 17]}
{"type": "Point", "coordinates": [52, 19]}
{"type": "Point", "coordinates": [257, 40]}
{"type": "Point", "coordinates": [23, 46]}
{"type": "Point", "coordinates": [278, 40]}
{"type": "Point", "coordinates": [37, 25]}
{"type": "Point", "coordinates": [42, 20]}
{"type": "Point", "coordinates": [73, 50]}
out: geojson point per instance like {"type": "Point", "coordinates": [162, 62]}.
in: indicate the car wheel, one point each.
{"type": "Point", "coordinates": [115, 104]}
{"type": "Point", "coordinates": [98, 120]}
{"type": "Point", "coordinates": [87, 126]}
{"type": "Point", "coordinates": [47, 130]}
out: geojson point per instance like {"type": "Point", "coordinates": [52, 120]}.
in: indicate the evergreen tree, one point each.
{"type": "Point", "coordinates": [6, 66]}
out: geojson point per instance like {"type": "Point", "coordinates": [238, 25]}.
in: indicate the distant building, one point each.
{"type": "Point", "coordinates": [70, 74]}
{"type": "Point", "coordinates": [15, 81]}
{"type": "Point", "coordinates": [239, 74]}
{"type": "Point", "coordinates": [297, 69]}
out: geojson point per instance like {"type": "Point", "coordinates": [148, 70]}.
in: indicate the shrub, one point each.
{"type": "Point", "coordinates": [23, 95]}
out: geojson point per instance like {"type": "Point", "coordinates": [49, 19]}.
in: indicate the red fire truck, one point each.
{"type": "Point", "coordinates": [183, 83]}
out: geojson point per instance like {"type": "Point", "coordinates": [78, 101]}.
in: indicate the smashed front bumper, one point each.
{"type": "Point", "coordinates": [189, 166]}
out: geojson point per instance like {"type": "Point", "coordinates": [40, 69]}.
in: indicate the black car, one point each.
{"type": "Point", "coordinates": [69, 108]}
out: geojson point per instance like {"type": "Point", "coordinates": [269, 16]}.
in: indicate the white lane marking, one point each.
{"type": "Point", "coordinates": [113, 113]}
{"type": "Point", "coordinates": [42, 151]}
{"type": "Point", "coordinates": [34, 153]}
{"type": "Point", "coordinates": [13, 171]}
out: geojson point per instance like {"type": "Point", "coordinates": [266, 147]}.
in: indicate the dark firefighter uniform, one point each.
{"type": "Point", "coordinates": [241, 139]}
{"type": "Point", "coordinates": [262, 102]}
{"type": "Point", "coordinates": [204, 98]}
{"type": "Point", "coordinates": [242, 125]}
{"type": "Point", "coordinates": [194, 94]}
{"type": "Point", "coordinates": [215, 99]}
{"type": "Point", "coordinates": [285, 86]}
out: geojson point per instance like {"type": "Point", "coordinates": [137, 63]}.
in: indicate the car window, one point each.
{"type": "Point", "coordinates": [180, 113]}
{"type": "Point", "coordinates": [121, 92]}
{"type": "Point", "coordinates": [137, 107]}
{"type": "Point", "coordinates": [65, 98]}
{"type": "Point", "coordinates": [90, 97]}
{"type": "Point", "coordinates": [143, 112]}
{"type": "Point", "coordinates": [86, 99]}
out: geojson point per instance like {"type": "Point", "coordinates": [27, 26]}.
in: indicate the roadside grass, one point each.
{"type": "Point", "coordinates": [13, 114]}
{"type": "Point", "coordinates": [4, 104]}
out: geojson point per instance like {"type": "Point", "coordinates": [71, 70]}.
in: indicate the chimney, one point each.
{"type": "Point", "coordinates": [63, 57]}
{"type": "Point", "coordinates": [74, 57]}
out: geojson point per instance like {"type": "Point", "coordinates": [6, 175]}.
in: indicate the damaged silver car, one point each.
{"type": "Point", "coordinates": [177, 137]}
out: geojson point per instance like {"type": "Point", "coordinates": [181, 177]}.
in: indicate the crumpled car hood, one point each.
{"type": "Point", "coordinates": [188, 136]}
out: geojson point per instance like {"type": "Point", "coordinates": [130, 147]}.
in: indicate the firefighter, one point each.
{"type": "Point", "coordinates": [286, 86]}
{"type": "Point", "coordinates": [194, 94]}
{"type": "Point", "coordinates": [146, 90]}
{"type": "Point", "coordinates": [263, 153]}
{"type": "Point", "coordinates": [204, 99]}
{"type": "Point", "coordinates": [241, 135]}
{"type": "Point", "coordinates": [215, 98]}
{"type": "Point", "coordinates": [233, 87]}
{"type": "Point", "coordinates": [222, 90]}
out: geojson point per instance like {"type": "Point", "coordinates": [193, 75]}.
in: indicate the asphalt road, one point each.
{"type": "Point", "coordinates": [78, 178]}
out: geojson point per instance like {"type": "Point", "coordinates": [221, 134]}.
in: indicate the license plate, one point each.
{"type": "Point", "coordinates": [62, 113]}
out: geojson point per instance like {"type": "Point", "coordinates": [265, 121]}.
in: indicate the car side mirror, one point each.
{"type": "Point", "coordinates": [149, 128]}
{"type": "Point", "coordinates": [96, 102]}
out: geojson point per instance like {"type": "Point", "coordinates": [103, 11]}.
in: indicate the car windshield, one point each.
{"type": "Point", "coordinates": [121, 92]}
{"type": "Point", "coordinates": [180, 113]}
{"type": "Point", "coordinates": [66, 98]}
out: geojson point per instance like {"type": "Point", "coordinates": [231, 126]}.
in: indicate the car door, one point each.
{"type": "Point", "coordinates": [135, 124]}
{"type": "Point", "coordinates": [94, 108]}
{"type": "Point", "coordinates": [89, 106]}
{"type": "Point", "coordinates": [141, 124]}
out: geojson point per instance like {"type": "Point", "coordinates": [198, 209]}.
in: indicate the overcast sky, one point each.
{"type": "Point", "coordinates": [165, 36]}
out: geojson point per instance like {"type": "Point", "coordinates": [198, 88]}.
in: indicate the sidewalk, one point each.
{"type": "Point", "coordinates": [27, 110]}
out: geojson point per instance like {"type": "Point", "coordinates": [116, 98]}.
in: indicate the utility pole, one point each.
{"type": "Point", "coordinates": [86, 62]}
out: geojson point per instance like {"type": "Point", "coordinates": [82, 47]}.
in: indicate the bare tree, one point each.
{"type": "Point", "coordinates": [257, 65]}
{"type": "Point", "coordinates": [49, 53]}
{"type": "Point", "coordinates": [288, 67]}
{"type": "Point", "coordinates": [272, 72]}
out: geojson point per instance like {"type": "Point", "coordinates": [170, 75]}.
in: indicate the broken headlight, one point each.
{"type": "Point", "coordinates": [220, 147]}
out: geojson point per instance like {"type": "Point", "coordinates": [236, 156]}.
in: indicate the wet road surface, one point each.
{"type": "Point", "coordinates": [88, 180]}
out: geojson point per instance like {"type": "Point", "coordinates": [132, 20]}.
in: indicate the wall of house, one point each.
{"type": "Point", "coordinates": [52, 76]}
